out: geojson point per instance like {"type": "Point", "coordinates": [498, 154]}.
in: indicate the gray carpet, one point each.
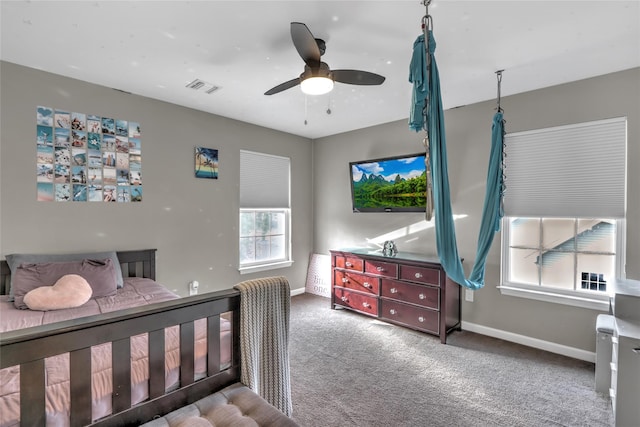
{"type": "Point", "coordinates": [352, 370]}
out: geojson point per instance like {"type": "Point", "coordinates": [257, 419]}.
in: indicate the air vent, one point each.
{"type": "Point", "coordinates": [208, 88]}
{"type": "Point", "coordinates": [196, 84]}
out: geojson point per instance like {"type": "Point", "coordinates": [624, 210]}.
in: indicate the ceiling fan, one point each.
{"type": "Point", "coordinates": [318, 78]}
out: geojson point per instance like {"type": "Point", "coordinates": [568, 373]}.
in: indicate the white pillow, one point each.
{"type": "Point", "coordinates": [69, 291]}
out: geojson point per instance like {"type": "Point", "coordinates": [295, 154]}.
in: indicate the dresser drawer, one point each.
{"type": "Point", "coordinates": [358, 282]}
{"type": "Point", "coordinates": [410, 315]}
{"type": "Point", "coordinates": [381, 268]}
{"type": "Point", "coordinates": [426, 296]}
{"type": "Point", "coordinates": [408, 289]}
{"type": "Point", "coordinates": [430, 276]}
{"type": "Point", "coordinates": [360, 302]}
{"type": "Point", "coordinates": [349, 263]}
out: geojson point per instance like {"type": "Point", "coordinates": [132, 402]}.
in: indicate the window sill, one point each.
{"type": "Point", "coordinates": [576, 301]}
{"type": "Point", "coordinates": [264, 267]}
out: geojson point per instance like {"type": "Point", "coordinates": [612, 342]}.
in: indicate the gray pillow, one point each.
{"type": "Point", "coordinates": [14, 261]}
{"type": "Point", "coordinates": [100, 275]}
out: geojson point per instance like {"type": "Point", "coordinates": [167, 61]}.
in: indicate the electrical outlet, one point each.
{"type": "Point", "coordinates": [193, 287]}
{"type": "Point", "coordinates": [468, 295]}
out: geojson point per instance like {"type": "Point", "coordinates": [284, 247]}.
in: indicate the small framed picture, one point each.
{"type": "Point", "coordinates": [206, 163]}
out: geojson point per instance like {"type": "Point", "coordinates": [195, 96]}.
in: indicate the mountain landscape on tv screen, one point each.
{"type": "Point", "coordinates": [374, 191]}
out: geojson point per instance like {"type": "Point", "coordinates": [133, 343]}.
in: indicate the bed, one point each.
{"type": "Point", "coordinates": [178, 351]}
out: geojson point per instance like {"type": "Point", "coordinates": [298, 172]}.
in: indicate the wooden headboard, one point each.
{"type": "Point", "coordinates": [136, 263]}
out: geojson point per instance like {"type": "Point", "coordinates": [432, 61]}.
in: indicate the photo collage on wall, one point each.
{"type": "Point", "coordinates": [87, 158]}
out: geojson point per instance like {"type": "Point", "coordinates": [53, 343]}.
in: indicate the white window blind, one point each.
{"type": "Point", "coordinates": [264, 180]}
{"type": "Point", "coordinates": [575, 171]}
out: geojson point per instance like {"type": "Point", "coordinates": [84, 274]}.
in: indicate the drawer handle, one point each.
{"type": "Point", "coordinates": [393, 290]}
{"type": "Point", "coordinates": [636, 350]}
{"type": "Point", "coordinates": [367, 285]}
{"type": "Point", "coordinates": [380, 269]}
{"type": "Point", "coordinates": [418, 275]}
{"type": "Point", "coordinates": [345, 280]}
{"type": "Point", "coordinates": [348, 264]}
{"type": "Point", "coordinates": [344, 299]}
{"type": "Point", "coordinates": [421, 319]}
{"type": "Point", "coordinates": [366, 305]}
{"type": "Point", "coordinates": [422, 296]}
{"type": "Point", "coordinates": [392, 311]}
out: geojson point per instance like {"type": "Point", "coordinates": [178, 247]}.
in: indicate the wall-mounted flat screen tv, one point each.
{"type": "Point", "coordinates": [391, 184]}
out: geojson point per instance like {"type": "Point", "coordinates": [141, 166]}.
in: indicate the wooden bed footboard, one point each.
{"type": "Point", "coordinates": [29, 347]}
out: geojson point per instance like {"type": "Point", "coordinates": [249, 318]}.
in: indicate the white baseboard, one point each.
{"type": "Point", "coordinates": [295, 292]}
{"type": "Point", "coordinates": [552, 347]}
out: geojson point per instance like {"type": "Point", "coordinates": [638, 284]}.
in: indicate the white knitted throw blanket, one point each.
{"type": "Point", "coordinates": [264, 339]}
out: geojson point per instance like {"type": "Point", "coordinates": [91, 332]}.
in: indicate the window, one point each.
{"type": "Point", "coordinates": [264, 235]}
{"type": "Point", "coordinates": [573, 258]}
{"type": "Point", "coordinates": [564, 227]}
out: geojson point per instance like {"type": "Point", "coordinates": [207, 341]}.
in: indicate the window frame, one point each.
{"type": "Point", "coordinates": [265, 186]}
{"type": "Point", "coordinates": [271, 264]}
{"type": "Point", "coordinates": [548, 176]}
{"type": "Point", "coordinates": [596, 301]}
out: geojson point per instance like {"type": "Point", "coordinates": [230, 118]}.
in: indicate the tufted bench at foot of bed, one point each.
{"type": "Point", "coordinates": [235, 405]}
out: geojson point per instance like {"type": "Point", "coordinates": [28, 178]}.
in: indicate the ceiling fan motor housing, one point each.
{"type": "Point", "coordinates": [321, 71]}
{"type": "Point", "coordinates": [322, 46]}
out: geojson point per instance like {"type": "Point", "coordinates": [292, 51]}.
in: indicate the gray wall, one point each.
{"type": "Point", "coordinates": [192, 222]}
{"type": "Point", "coordinates": [468, 131]}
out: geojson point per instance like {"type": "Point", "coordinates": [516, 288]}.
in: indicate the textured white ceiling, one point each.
{"type": "Point", "coordinates": [155, 48]}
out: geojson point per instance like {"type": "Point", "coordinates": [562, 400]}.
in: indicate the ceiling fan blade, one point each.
{"type": "Point", "coordinates": [357, 77]}
{"type": "Point", "coordinates": [283, 86]}
{"type": "Point", "coordinates": [305, 44]}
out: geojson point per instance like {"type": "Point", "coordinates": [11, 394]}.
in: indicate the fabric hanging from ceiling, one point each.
{"type": "Point", "coordinates": [418, 75]}
{"type": "Point", "coordinates": [446, 242]}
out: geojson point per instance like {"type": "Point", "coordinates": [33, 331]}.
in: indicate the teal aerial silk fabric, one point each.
{"type": "Point", "coordinates": [446, 243]}
{"type": "Point", "coordinates": [419, 77]}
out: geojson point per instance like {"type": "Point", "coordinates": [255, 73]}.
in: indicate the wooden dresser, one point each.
{"type": "Point", "coordinates": [407, 289]}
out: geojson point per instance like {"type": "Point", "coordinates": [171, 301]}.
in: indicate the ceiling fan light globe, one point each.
{"type": "Point", "coordinates": [316, 85]}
